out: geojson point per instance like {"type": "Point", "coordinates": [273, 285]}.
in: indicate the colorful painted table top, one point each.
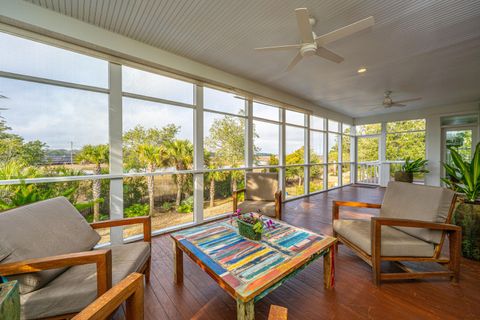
{"type": "Point", "coordinates": [250, 269]}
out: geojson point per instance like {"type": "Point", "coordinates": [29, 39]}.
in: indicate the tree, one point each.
{"type": "Point", "coordinates": [145, 149]}
{"type": "Point", "coordinates": [213, 176]}
{"type": "Point", "coordinates": [180, 155]}
{"type": "Point", "coordinates": [13, 147]}
{"type": "Point", "coordinates": [96, 155]}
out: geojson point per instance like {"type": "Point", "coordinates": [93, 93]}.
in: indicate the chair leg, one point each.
{"type": "Point", "coordinates": [147, 270]}
{"type": "Point", "coordinates": [455, 249]}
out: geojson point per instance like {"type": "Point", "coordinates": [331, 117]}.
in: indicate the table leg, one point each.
{"type": "Point", "coordinates": [178, 261]}
{"type": "Point", "coordinates": [245, 310]}
{"type": "Point", "coordinates": [329, 268]}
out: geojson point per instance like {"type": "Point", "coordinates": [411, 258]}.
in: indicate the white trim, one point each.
{"type": "Point", "coordinates": [157, 100]}
{"type": "Point", "coordinates": [198, 163]}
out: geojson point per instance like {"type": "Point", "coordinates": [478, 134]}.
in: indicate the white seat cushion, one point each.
{"type": "Point", "coordinates": [76, 288]}
{"type": "Point", "coordinates": [395, 243]}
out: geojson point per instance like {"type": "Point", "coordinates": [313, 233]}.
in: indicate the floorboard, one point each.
{"type": "Point", "coordinates": [354, 296]}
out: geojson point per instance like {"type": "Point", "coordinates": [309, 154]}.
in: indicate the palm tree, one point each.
{"type": "Point", "coordinates": [96, 155]}
{"type": "Point", "coordinates": [213, 176]}
{"type": "Point", "coordinates": [151, 157]}
{"type": "Point", "coordinates": [180, 155]}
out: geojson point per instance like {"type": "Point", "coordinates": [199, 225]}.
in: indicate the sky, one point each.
{"type": "Point", "coordinates": [60, 116]}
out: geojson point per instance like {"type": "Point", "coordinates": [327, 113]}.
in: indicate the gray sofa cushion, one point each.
{"type": "Point", "coordinates": [266, 207]}
{"type": "Point", "coordinates": [74, 289]}
{"type": "Point", "coordinates": [417, 202]}
{"type": "Point", "coordinates": [395, 243]}
{"type": "Point", "coordinates": [43, 229]}
{"type": "Point", "coordinates": [261, 186]}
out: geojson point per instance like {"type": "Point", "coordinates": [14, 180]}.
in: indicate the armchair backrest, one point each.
{"type": "Point", "coordinates": [418, 202]}
{"type": "Point", "coordinates": [261, 186]}
{"type": "Point", "coordinates": [46, 228]}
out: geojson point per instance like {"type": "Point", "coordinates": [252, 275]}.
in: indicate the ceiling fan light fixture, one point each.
{"type": "Point", "coordinates": [362, 70]}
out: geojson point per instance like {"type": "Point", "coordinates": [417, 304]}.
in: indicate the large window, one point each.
{"type": "Point", "coordinates": [406, 139]}
{"type": "Point", "coordinates": [146, 145]}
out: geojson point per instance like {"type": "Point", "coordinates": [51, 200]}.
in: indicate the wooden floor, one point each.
{"type": "Point", "coordinates": [354, 296]}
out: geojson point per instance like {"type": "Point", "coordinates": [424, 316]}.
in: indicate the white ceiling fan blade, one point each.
{"type": "Point", "coordinates": [284, 47]}
{"type": "Point", "coordinates": [329, 55]}
{"type": "Point", "coordinates": [345, 31]}
{"type": "Point", "coordinates": [304, 26]}
{"type": "Point", "coordinates": [294, 62]}
{"type": "Point", "coordinates": [407, 100]}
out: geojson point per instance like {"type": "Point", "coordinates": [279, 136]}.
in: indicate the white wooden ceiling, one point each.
{"type": "Point", "coordinates": [427, 48]}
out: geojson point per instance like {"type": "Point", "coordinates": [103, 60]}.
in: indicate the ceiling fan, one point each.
{"type": "Point", "coordinates": [388, 101]}
{"type": "Point", "coordinates": [314, 45]}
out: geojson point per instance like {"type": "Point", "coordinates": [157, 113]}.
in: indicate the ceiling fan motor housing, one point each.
{"type": "Point", "coordinates": [308, 49]}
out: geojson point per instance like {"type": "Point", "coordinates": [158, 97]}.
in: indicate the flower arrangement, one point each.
{"type": "Point", "coordinates": [251, 225]}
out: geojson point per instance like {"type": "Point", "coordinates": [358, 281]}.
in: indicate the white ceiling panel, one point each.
{"type": "Point", "coordinates": [428, 48]}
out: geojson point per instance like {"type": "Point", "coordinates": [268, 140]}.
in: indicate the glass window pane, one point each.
{"type": "Point", "coordinates": [294, 140]}
{"type": "Point", "coordinates": [316, 178]}
{"type": "Point", "coordinates": [168, 199]}
{"type": "Point", "coordinates": [367, 149]}
{"type": "Point", "coordinates": [333, 147]}
{"type": "Point", "coordinates": [408, 125]}
{"type": "Point", "coordinates": [66, 129]}
{"type": "Point", "coordinates": [266, 143]}
{"type": "Point", "coordinates": [332, 175]}
{"type": "Point", "coordinates": [91, 197]}
{"type": "Point", "coordinates": [265, 111]}
{"type": "Point", "coordinates": [219, 187]}
{"type": "Point", "coordinates": [317, 123]}
{"type": "Point", "coordinates": [156, 136]}
{"type": "Point", "coordinates": [333, 126]}
{"type": "Point", "coordinates": [154, 85]}
{"type": "Point", "coordinates": [223, 101]}
{"type": "Point", "coordinates": [294, 117]}
{"type": "Point", "coordinates": [346, 128]}
{"type": "Point", "coordinates": [401, 146]}
{"type": "Point", "coordinates": [365, 129]}
{"type": "Point", "coordinates": [224, 141]}
{"type": "Point", "coordinates": [18, 55]}
{"type": "Point", "coordinates": [294, 180]}
{"type": "Point", "coordinates": [346, 145]}
{"type": "Point", "coordinates": [316, 147]}
{"type": "Point", "coordinates": [346, 174]}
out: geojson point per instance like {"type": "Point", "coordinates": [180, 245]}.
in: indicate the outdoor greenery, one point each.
{"type": "Point", "coordinates": [464, 176]}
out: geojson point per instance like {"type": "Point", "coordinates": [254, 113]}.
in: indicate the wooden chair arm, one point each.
{"type": "Point", "coordinates": [129, 289]}
{"type": "Point", "coordinates": [337, 204]}
{"type": "Point", "coordinates": [382, 221]}
{"type": "Point", "coordinates": [102, 258]}
{"type": "Point", "coordinates": [146, 221]}
{"type": "Point", "coordinates": [235, 195]}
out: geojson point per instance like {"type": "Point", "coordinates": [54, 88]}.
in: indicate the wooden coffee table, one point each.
{"type": "Point", "coordinates": [248, 270]}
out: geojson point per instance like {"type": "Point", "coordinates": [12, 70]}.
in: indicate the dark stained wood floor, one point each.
{"type": "Point", "coordinates": [354, 296]}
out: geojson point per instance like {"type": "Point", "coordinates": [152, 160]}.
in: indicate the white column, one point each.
{"type": "Point", "coordinates": [306, 155]}
{"type": "Point", "coordinates": [325, 152]}
{"type": "Point", "coordinates": [433, 142]}
{"type": "Point", "coordinates": [116, 154]}
{"type": "Point", "coordinates": [384, 171]}
{"type": "Point", "coordinates": [282, 155]}
{"type": "Point", "coordinates": [249, 133]}
{"type": "Point", "coordinates": [198, 161]}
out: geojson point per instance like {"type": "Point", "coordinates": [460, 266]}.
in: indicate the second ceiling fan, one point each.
{"type": "Point", "coordinates": [314, 45]}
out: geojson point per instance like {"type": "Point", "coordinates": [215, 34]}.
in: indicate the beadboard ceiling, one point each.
{"type": "Point", "coordinates": [426, 48]}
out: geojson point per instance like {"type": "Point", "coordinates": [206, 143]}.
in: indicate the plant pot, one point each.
{"type": "Point", "coordinates": [467, 216]}
{"type": "Point", "coordinates": [246, 230]}
{"type": "Point", "coordinates": [403, 176]}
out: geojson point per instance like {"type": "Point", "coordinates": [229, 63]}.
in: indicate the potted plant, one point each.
{"type": "Point", "coordinates": [251, 225]}
{"type": "Point", "coordinates": [409, 168]}
{"type": "Point", "coordinates": [464, 177]}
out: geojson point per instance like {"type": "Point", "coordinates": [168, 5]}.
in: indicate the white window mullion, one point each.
{"type": "Point", "coordinates": [306, 155]}
{"type": "Point", "coordinates": [249, 156]}
{"type": "Point", "coordinates": [282, 155]}
{"type": "Point", "coordinates": [325, 157]}
{"type": "Point", "coordinates": [198, 163]}
{"type": "Point", "coordinates": [115, 131]}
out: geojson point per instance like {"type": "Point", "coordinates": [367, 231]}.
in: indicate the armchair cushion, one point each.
{"type": "Point", "coordinates": [76, 288]}
{"type": "Point", "coordinates": [43, 229]}
{"type": "Point", "coordinates": [394, 242]}
{"type": "Point", "coordinates": [261, 186]}
{"type": "Point", "coordinates": [417, 202]}
{"type": "Point", "coordinates": [266, 207]}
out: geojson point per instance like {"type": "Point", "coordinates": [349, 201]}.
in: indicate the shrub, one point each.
{"type": "Point", "coordinates": [137, 210]}
{"type": "Point", "coordinates": [186, 206]}
{"type": "Point", "coordinates": [167, 206]}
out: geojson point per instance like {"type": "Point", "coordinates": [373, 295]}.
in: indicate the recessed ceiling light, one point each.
{"type": "Point", "coordinates": [362, 70]}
